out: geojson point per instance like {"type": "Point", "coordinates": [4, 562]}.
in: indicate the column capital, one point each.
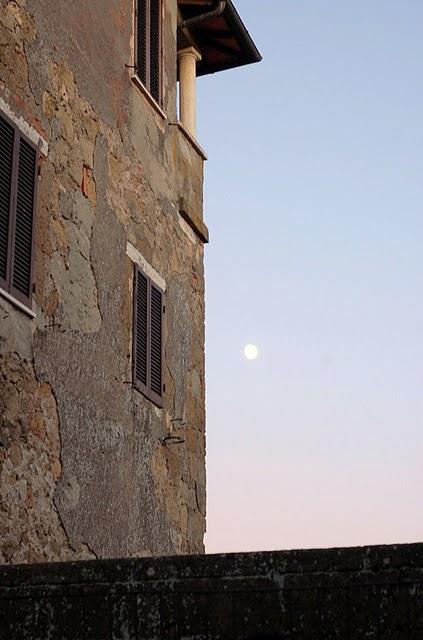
{"type": "Point", "coordinates": [190, 51]}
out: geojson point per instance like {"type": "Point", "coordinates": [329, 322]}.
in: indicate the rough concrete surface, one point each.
{"type": "Point", "coordinates": [331, 594]}
{"type": "Point", "coordinates": [83, 471]}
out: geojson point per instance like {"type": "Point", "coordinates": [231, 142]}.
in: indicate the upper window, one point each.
{"type": "Point", "coordinates": [148, 337]}
{"type": "Point", "coordinates": [149, 46]}
{"type": "Point", "coordinates": [18, 168]}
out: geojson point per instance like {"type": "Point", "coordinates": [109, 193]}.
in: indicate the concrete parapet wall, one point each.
{"type": "Point", "coordinates": [350, 594]}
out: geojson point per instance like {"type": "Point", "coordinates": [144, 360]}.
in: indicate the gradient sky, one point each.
{"type": "Point", "coordinates": [314, 198]}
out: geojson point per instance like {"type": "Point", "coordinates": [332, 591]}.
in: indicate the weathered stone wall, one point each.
{"type": "Point", "coordinates": [83, 471]}
{"type": "Point", "coordinates": [334, 594]}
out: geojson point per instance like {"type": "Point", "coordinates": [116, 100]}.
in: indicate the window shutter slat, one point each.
{"type": "Point", "coordinates": [141, 319]}
{"type": "Point", "coordinates": [6, 167]}
{"type": "Point", "coordinates": [141, 53]}
{"type": "Point", "coordinates": [148, 45]}
{"type": "Point", "coordinates": [23, 236]}
{"type": "Point", "coordinates": [155, 46]}
{"type": "Point", "coordinates": [156, 341]}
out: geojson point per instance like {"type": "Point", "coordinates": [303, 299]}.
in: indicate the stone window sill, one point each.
{"type": "Point", "coordinates": [16, 303]}
{"type": "Point", "coordinates": [137, 82]}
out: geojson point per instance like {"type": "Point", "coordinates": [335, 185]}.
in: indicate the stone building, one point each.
{"type": "Point", "coordinates": [102, 434]}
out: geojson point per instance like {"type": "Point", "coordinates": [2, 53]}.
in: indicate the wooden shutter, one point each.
{"type": "Point", "coordinates": [148, 337]}
{"type": "Point", "coordinates": [141, 31]}
{"type": "Point", "coordinates": [156, 310]}
{"type": "Point", "coordinates": [7, 136]}
{"type": "Point", "coordinates": [155, 49]}
{"type": "Point", "coordinates": [24, 223]}
{"type": "Point", "coordinates": [149, 45]}
{"type": "Point", "coordinates": [18, 172]}
{"type": "Point", "coordinates": [140, 349]}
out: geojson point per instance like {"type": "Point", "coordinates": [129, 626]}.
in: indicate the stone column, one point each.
{"type": "Point", "coordinates": [187, 59]}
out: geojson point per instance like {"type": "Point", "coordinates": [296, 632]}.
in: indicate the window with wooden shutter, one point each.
{"type": "Point", "coordinates": [149, 46]}
{"type": "Point", "coordinates": [148, 337]}
{"type": "Point", "coordinates": [18, 178]}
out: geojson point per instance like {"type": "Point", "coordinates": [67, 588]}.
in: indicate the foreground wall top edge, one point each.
{"type": "Point", "coordinates": [337, 560]}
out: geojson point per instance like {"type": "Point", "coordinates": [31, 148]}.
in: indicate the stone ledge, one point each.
{"type": "Point", "coordinates": [195, 222]}
{"type": "Point", "coordinates": [17, 303]}
{"type": "Point", "coordinates": [190, 139]}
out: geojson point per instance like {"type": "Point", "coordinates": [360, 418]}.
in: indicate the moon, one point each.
{"type": "Point", "coordinates": [250, 351]}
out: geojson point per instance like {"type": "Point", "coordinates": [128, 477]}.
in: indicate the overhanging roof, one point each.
{"type": "Point", "coordinates": [223, 41]}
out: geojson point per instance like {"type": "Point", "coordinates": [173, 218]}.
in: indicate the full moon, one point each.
{"type": "Point", "coordinates": [250, 351]}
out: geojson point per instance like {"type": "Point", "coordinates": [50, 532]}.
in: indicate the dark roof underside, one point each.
{"type": "Point", "coordinates": [223, 41]}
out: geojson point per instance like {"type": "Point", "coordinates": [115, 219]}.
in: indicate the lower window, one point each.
{"type": "Point", "coordinates": [18, 170]}
{"type": "Point", "coordinates": [147, 371]}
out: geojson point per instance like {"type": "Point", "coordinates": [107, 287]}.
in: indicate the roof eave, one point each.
{"type": "Point", "coordinates": [249, 53]}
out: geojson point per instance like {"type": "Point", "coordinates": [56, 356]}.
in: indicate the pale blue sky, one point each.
{"type": "Point", "coordinates": [314, 198]}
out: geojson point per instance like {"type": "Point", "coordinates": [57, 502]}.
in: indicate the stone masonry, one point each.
{"type": "Point", "coordinates": [85, 470]}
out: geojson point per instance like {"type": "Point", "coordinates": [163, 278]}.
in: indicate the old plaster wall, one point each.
{"type": "Point", "coordinates": [83, 471]}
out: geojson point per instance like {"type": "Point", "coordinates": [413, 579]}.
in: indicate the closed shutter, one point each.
{"type": "Point", "coordinates": [149, 45]}
{"type": "Point", "coordinates": [141, 21]}
{"type": "Point", "coordinates": [24, 220]}
{"type": "Point", "coordinates": [18, 172]}
{"type": "Point", "coordinates": [148, 337]}
{"type": "Point", "coordinates": [155, 48]}
{"type": "Point", "coordinates": [140, 329]}
{"type": "Point", "coordinates": [156, 341]}
{"type": "Point", "coordinates": [7, 135]}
